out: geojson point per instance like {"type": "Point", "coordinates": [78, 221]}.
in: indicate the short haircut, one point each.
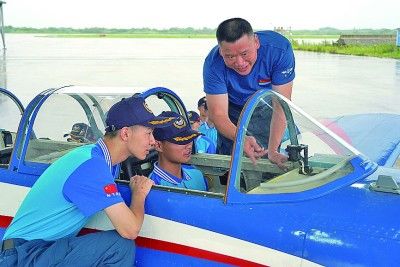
{"type": "Point", "coordinates": [113, 134]}
{"type": "Point", "coordinates": [233, 29]}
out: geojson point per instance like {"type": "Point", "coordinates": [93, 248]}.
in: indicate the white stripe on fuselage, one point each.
{"type": "Point", "coordinates": [11, 198]}
{"type": "Point", "coordinates": [173, 232]}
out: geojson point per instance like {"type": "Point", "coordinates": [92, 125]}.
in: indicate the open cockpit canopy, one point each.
{"type": "Point", "coordinates": [59, 120]}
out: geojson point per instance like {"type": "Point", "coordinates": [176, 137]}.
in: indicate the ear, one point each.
{"type": "Point", "coordinates": [158, 146]}
{"type": "Point", "coordinates": [124, 133]}
{"type": "Point", "coordinates": [257, 41]}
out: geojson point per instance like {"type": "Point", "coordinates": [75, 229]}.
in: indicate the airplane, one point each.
{"type": "Point", "coordinates": [329, 206]}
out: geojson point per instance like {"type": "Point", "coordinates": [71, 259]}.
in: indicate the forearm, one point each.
{"type": "Point", "coordinates": [128, 220]}
{"type": "Point", "coordinates": [218, 113]}
{"type": "Point", "coordinates": [277, 128]}
{"type": "Point", "coordinates": [225, 127]}
{"type": "Point", "coordinates": [278, 121]}
{"type": "Point", "coordinates": [137, 208]}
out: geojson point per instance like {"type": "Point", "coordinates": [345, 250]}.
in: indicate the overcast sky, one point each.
{"type": "Point", "coordinates": [164, 14]}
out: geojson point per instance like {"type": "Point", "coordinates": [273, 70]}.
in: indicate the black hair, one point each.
{"type": "Point", "coordinates": [233, 29]}
{"type": "Point", "coordinates": [111, 134]}
{"type": "Point", "coordinates": [205, 106]}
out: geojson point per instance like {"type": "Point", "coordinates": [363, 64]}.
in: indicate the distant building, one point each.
{"type": "Point", "coordinates": [284, 31]}
{"type": "Point", "coordinates": [346, 39]}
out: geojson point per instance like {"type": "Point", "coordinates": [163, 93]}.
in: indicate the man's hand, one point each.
{"type": "Point", "coordinates": [140, 185]}
{"type": "Point", "coordinates": [277, 158]}
{"type": "Point", "coordinates": [252, 149]}
{"type": "Point", "coordinates": [128, 220]}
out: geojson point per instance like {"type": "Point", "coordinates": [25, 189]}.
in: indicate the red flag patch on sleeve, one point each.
{"type": "Point", "coordinates": [111, 189]}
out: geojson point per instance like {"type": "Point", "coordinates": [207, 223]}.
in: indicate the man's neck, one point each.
{"type": "Point", "coordinates": [116, 151]}
{"type": "Point", "coordinates": [171, 167]}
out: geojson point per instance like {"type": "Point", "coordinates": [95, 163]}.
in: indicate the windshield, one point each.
{"type": "Point", "coordinates": [316, 156]}
{"type": "Point", "coordinates": [11, 113]}
{"type": "Point", "coordinates": [74, 116]}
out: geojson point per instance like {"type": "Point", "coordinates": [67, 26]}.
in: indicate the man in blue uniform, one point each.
{"type": "Point", "coordinates": [77, 186]}
{"type": "Point", "coordinates": [201, 107]}
{"type": "Point", "coordinates": [174, 146]}
{"type": "Point", "coordinates": [207, 127]}
{"type": "Point", "coordinates": [242, 63]}
{"type": "Point", "coordinates": [202, 143]}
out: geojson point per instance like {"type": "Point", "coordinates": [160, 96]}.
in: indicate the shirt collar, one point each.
{"type": "Point", "coordinates": [206, 125]}
{"type": "Point", "coordinates": [106, 153]}
{"type": "Point", "coordinates": [166, 176]}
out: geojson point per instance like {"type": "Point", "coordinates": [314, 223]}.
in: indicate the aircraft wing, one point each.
{"type": "Point", "coordinates": [376, 135]}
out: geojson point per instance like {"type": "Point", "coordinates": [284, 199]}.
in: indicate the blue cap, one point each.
{"type": "Point", "coordinates": [179, 132]}
{"type": "Point", "coordinates": [134, 111]}
{"type": "Point", "coordinates": [193, 116]}
{"type": "Point", "coordinates": [81, 132]}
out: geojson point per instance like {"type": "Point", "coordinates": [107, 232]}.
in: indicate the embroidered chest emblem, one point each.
{"type": "Point", "coordinates": [264, 81]}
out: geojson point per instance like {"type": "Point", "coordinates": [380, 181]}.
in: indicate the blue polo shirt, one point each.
{"type": "Point", "coordinates": [72, 189]}
{"type": "Point", "coordinates": [275, 65]}
{"type": "Point", "coordinates": [203, 144]}
{"type": "Point", "coordinates": [210, 132]}
{"type": "Point", "coordinates": [192, 178]}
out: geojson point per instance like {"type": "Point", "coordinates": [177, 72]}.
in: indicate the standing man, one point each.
{"type": "Point", "coordinates": [207, 127]}
{"type": "Point", "coordinates": [242, 63]}
{"type": "Point", "coordinates": [202, 143]}
{"type": "Point", "coordinates": [201, 106]}
{"type": "Point", "coordinates": [77, 186]}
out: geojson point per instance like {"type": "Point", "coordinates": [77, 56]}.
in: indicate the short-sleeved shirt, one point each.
{"type": "Point", "coordinates": [203, 144]}
{"type": "Point", "coordinates": [73, 188]}
{"type": "Point", "coordinates": [275, 65]}
{"type": "Point", "coordinates": [192, 178]}
{"type": "Point", "coordinates": [210, 132]}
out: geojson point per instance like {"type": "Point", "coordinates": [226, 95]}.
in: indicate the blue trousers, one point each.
{"type": "Point", "coordinates": [98, 249]}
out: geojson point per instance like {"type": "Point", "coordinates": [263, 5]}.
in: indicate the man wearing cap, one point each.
{"type": "Point", "coordinates": [202, 143]}
{"type": "Point", "coordinates": [242, 63]}
{"type": "Point", "coordinates": [207, 127]}
{"type": "Point", "coordinates": [80, 133]}
{"type": "Point", "coordinates": [174, 146]}
{"type": "Point", "coordinates": [79, 185]}
{"type": "Point", "coordinates": [202, 107]}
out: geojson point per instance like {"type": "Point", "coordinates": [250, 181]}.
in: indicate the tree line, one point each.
{"type": "Point", "coordinates": [188, 30]}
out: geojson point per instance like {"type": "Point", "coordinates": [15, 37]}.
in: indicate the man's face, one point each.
{"type": "Point", "coordinates": [175, 153]}
{"type": "Point", "coordinates": [203, 113]}
{"type": "Point", "coordinates": [195, 125]}
{"type": "Point", "coordinates": [240, 55]}
{"type": "Point", "coordinates": [140, 141]}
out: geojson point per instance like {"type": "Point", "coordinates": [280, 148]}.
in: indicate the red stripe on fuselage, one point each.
{"type": "Point", "coordinates": [5, 221]}
{"type": "Point", "coordinates": [167, 246]}
{"type": "Point", "coordinates": [192, 252]}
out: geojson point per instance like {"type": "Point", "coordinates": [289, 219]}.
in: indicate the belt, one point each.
{"type": "Point", "coordinates": [9, 243]}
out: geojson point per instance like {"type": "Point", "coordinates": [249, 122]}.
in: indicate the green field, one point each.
{"type": "Point", "coordinates": [381, 50]}
{"type": "Point", "coordinates": [299, 42]}
{"type": "Point", "coordinates": [169, 35]}
{"type": "Point", "coordinates": [314, 36]}
{"type": "Point", "coordinates": [132, 35]}
{"type": "Point", "coordinates": [301, 39]}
